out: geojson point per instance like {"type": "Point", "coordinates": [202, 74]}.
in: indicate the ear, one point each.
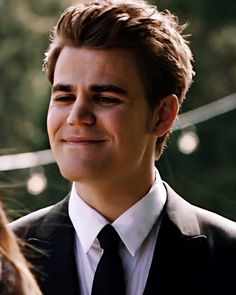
{"type": "Point", "coordinates": [164, 115]}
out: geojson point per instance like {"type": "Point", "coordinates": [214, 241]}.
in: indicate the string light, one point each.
{"type": "Point", "coordinates": [188, 142]}
{"type": "Point", "coordinates": [37, 183]}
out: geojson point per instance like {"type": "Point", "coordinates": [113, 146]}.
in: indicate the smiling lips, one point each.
{"type": "Point", "coordinates": [74, 140]}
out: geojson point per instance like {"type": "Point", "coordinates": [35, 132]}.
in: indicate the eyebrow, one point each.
{"type": "Point", "coordinates": [94, 88]}
{"type": "Point", "coordinates": [62, 87]}
{"type": "Point", "coordinates": [108, 88]}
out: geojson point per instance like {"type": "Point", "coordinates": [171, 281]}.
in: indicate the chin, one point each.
{"type": "Point", "coordinates": [77, 174]}
{"type": "Point", "coordinates": [71, 175]}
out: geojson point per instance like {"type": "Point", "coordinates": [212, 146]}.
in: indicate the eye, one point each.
{"type": "Point", "coordinates": [64, 98]}
{"type": "Point", "coordinates": [107, 100]}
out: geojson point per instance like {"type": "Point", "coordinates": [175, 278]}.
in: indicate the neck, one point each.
{"type": "Point", "coordinates": [112, 197]}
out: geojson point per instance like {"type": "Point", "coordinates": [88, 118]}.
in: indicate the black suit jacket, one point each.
{"type": "Point", "coordinates": [195, 250]}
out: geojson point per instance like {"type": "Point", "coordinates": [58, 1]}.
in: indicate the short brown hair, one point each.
{"type": "Point", "coordinates": [163, 55]}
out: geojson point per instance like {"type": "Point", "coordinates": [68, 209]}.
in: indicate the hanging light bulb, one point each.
{"type": "Point", "coordinates": [188, 142]}
{"type": "Point", "coordinates": [37, 183]}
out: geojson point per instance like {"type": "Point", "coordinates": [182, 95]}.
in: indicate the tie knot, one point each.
{"type": "Point", "coordinates": [108, 237]}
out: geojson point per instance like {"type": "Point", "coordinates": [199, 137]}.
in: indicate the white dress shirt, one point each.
{"type": "Point", "coordinates": [137, 227]}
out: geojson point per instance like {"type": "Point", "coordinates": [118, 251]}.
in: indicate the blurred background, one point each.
{"type": "Point", "coordinates": [200, 161]}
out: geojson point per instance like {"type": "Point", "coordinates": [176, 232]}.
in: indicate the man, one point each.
{"type": "Point", "coordinates": [119, 72]}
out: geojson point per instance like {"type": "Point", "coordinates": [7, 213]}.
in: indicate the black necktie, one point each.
{"type": "Point", "coordinates": [109, 275]}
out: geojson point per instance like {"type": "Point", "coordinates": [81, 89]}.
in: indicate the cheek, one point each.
{"type": "Point", "coordinates": [117, 123]}
{"type": "Point", "coordinates": [123, 127]}
{"type": "Point", "coordinates": [50, 122]}
{"type": "Point", "coordinates": [54, 121]}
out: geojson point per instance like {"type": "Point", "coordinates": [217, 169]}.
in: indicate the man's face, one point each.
{"type": "Point", "coordinates": [98, 118]}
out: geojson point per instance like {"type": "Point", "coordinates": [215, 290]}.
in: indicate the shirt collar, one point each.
{"type": "Point", "coordinates": [133, 225]}
{"type": "Point", "coordinates": [87, 222]}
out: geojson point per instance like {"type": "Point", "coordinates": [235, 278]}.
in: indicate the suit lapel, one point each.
{"type": "Point", "coordinates": [53, 254]}
{"type": "Point", "coordinates": [180, 258]}
{"type": "Point", "coordinates": [178, 264]}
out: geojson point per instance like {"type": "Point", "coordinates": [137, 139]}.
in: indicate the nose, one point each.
{"type": "Point", "coordinates": [81, 112]}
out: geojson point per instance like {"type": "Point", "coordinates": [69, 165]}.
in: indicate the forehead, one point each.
{"type": "Point", "coordinates": [89, 66]}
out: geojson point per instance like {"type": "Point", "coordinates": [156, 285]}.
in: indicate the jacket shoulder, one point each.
{"type": "Point", "coordinates": [27, 223]}
{"type": "Point", "coordinates": [215, 226]}
{"type": "Point", "coordinates": [192, 220]}
{"type": "Point", "coordinates": [41, 223]}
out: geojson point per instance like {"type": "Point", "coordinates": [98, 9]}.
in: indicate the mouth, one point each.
{"type": "Point", "coordinates": [81, 141]}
